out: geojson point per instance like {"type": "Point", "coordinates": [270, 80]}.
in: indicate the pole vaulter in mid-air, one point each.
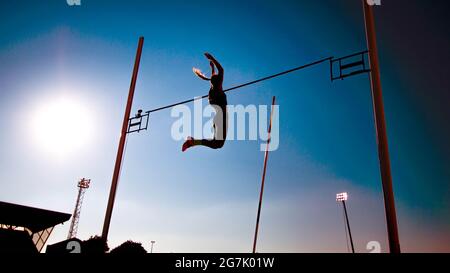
{"type": "Point", "coordinates": [217, 99]}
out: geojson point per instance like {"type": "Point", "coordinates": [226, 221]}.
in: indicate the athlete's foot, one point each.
{"type": "Point", "coordinates": [187, 144]}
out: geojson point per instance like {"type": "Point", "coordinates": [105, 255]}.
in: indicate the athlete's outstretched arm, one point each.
{"type": "Point", "coordinates": [215, 62]}
{"type": "Point", "coordinates": [199, 74]}
{"type": "Point", "coordinates": [213, 71]}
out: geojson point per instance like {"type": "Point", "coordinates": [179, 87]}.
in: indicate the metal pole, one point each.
{"type": "Point", "coordinates": [123, 136]}
{"type": "Point", "coordinates": [380, 125]}
{"type": "Point", "coordinates": [348, 226]}
{"type": "Point", "coordinates": [151, 249]}
{"type": "Point", "coordinates": [266, 156]}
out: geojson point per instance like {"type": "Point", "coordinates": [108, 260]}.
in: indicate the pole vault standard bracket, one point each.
{"type": "Point", "coordinates": [350, 65]}
{"type": "Point", "coordinates": [138, 123]}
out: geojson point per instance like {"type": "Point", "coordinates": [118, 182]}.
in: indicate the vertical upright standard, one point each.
{"type": "Point", "coordinates": [380, 125]}
{"type": "Point", "coordinates": [266, 156]}
{"type": "Point", "coordinates": [123, 136]}
{"type": "Point", "coordinates": [83, 184]}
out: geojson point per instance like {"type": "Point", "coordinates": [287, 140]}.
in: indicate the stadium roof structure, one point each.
{"type": "Point", "coordinates": [37, 223]}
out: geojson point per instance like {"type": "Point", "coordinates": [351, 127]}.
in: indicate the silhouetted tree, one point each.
{"type": "Point", "coordinates": [129, 248]}
{"type": "Point", "coordinates": [95, 245]}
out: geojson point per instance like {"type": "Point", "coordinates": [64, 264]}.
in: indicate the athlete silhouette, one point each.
{"type": "Point", "coordinates": [218, 100]}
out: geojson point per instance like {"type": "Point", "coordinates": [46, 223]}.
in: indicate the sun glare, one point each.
{"type": "Point", "coordinates": [61, 126]}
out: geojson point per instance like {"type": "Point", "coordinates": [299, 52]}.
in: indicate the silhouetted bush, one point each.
{"type": "Point", "coordinates": [95, 245]}
{"type": "Point", "coordinates": [129, 248]}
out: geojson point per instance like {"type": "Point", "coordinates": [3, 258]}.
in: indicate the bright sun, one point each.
{"type": "Point", "coordinates": [61, 126]}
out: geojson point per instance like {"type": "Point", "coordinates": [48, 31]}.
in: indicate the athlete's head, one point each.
{"type": "Point", "coordinates": [215, 80]}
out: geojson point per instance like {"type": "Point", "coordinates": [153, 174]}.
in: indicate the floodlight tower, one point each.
{"type": "Point", "coordinates": [83, 184]}
{"type": "Point", "coordinates": [153, 242]}
{"type": "Point", "coordinates": [342, 197]}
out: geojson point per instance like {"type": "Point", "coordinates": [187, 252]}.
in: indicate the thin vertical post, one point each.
{"type": "Point", "coordinates": [151, 249]}
{"type": "Point", "coordinates": [266, 156]}
{"type": "Point", "coordinates": [348, 226]}
{"type": "Point", "coordinates": [123, 136]}
{"type": "Point", "coordinates": [380, 125]}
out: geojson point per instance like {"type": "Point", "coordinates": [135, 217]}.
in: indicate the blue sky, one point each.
{"type": "Point", "coordinates": [206, 200]}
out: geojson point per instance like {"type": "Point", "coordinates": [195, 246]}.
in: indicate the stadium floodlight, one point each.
{"type": "Point", "coordinates": [343, 196]}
